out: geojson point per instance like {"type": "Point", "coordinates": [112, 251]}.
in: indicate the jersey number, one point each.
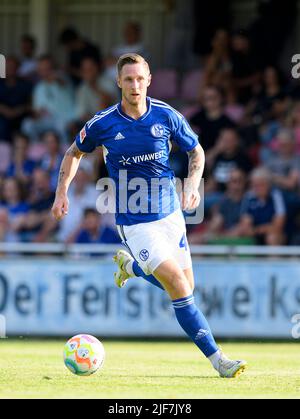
{"type": "Point", "coordinates": [183, 242]}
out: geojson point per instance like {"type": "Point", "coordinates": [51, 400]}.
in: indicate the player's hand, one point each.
{"type": "Point", "coordinates": [190, 199]}
{"type": "Point", "coordinates": [60, 207]}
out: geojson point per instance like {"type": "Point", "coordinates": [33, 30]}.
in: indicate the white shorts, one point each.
{"type": "Point", "coordinates": [157, 241]}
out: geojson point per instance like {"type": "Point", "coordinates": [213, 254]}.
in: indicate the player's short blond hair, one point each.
{"type": "Point", "coordinates": [131, 58]}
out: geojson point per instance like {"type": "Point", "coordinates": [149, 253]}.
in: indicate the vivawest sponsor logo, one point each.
{"type": "Point", "coordinates": [142, 158]}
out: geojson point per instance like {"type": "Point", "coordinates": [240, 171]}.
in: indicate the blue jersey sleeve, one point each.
{"type": "Point", "coordinates": [182, 133]}
{"type": "Point", "coordinates": [89, 137]}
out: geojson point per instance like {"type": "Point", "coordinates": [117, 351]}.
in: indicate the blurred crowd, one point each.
{"type": "Point", "coordinates": [248, 119]}
{"type": "Point", "coordinates": [246, 112]}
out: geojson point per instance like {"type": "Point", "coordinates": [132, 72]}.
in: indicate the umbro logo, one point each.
{"type": "Point", "coordinates": [119, 136]}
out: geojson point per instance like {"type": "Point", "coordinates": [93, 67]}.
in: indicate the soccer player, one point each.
{"type": "Point", "coordinates": [135, 136]}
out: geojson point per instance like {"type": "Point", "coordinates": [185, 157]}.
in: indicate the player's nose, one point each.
{"type": "Point", "coordinates": [135, 85]}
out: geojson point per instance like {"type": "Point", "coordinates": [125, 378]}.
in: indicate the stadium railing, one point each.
{"type": "Point", "coordinates": [84, 250]}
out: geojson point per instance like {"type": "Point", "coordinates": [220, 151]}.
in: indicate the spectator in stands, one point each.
{"type": "Point", "coordinates": [226, 217]}
{"type": "Point", "coordinates": [132, 41]}
{"type": "Point", "coordinates": [6, 234]}
{"type": "Point", "coordinates": [210, 120]}
{"type": "Point", "coordinates": [21, 165]}
{"type": "Point", "coordinates": [28, 66]}
{"type": "Point", "coordinates": [293, 122]}
{"type": "Point", "coordinates": [180, 15]}
{"type": "Point", "coordinates": [95, 93]}
{"type": "Point", "coordinates": [280, 117]}
{"type": "Point", "coordinates": [78, 48]}
{"type": "Point", "coordinates": [245, 66]}
{"type": "Point", "coordinates": [92, 230]}
{"type": "Point", "coordinates": [15, 100]}
{"type": "Point", "coordinates": [212, 195]}
{"type": "Point", "coordinates": [226, 156]}
{"type": "Point", "coordinates": [82, 194]}
{"type": "Point", "coordinates": [41, 196]}
{"type": "Point", "coordinates": [224, 223]}
{"type": "Point", "coordinates": [2, 178]}
{"type": "Point", "coordinates": [263, 213]}
{"type": "Point", "coordinates": [217, 69]}
{"type": "Point", "coordinates": [53, 156]}
{"type": "Point", "coordinates": [53, 102]}
{"type": "Point", "coordinates": [15, 205]}
{"type": "Point", "coordinates": [38, 225]}
{"type": "Point", "coordinates": [233, 109]}
{"type": "Point", "coordinates": [270, 91]}
{"type": "Point", "coordinates": [285, 164]}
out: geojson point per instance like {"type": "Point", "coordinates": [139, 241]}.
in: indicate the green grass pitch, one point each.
{"type": "Point", "coordinates": [35, 369]}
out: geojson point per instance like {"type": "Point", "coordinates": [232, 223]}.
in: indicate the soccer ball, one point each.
{"type": "Point", "coordinates": [83, 354]}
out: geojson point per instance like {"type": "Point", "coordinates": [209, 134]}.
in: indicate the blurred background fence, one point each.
{"type": "Point", "coordinates": [67, 290]}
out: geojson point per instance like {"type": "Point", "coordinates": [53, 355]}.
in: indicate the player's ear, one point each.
{"type": "Point", "coordinates": [149, 80]}
{"type": "Point", "coordinates": [119, 81]}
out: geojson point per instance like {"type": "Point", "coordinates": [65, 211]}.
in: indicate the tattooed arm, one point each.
{"type": "Point", "coordinates": [68, 170]}
{"type": "Point", "coordinates": [191, 196]}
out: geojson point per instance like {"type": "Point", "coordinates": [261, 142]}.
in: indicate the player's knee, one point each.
{"type": "Point", "coordinates": [178, 286]}
{"type": "Point", "coordinates": [173, 279]}
{"type": "Point", "coordinates": [190, 277]}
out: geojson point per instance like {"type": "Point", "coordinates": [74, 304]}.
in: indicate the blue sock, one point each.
{"type": "Point", "coordinates": [150, 278]}
{"type": "Point", "coordinates": [195, 324]}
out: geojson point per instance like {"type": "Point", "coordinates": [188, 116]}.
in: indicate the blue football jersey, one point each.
{"type": "Point", "coordinates": [136, 154]}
